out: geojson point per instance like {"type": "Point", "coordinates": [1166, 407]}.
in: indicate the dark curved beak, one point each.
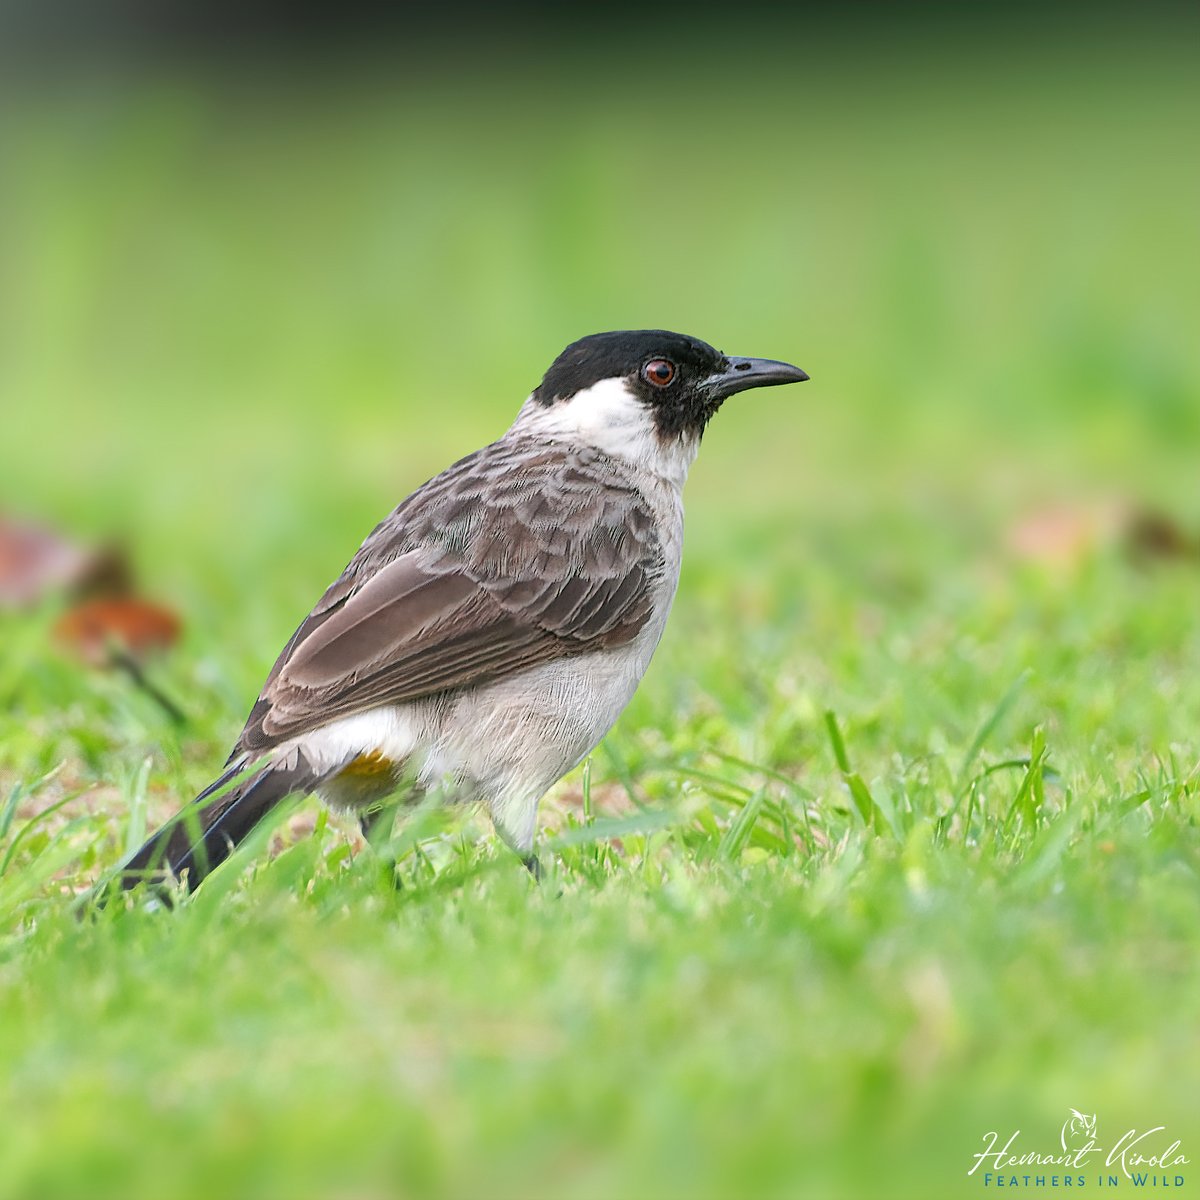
{"type": "Point", "coordinates": [741, 374]}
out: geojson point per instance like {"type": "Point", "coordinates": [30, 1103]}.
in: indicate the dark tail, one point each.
{"type": "Point", "coordinates": [206, 832]}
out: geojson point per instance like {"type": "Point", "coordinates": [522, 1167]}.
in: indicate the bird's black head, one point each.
{"type": "Point", "coordinates": [680, 379]}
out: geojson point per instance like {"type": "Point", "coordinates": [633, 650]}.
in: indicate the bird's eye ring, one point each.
{"type": "Point", "coordinates": [659, 372]}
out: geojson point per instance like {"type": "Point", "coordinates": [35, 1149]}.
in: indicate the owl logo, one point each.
{"type": "Point", "coordinates": [1078, 1129]}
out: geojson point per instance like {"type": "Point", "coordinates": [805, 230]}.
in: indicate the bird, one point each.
{"type": "Point", "coordinates": [491, 629]}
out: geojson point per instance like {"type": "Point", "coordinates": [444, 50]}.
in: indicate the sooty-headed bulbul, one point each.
{"type": "Point", "coordinates": [488, 632]}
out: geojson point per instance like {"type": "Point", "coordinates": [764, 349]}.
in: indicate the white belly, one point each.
{"type": "Point", "coordinates": [504, 743]}
{"type": "Point", "coordinates": [510, 742]}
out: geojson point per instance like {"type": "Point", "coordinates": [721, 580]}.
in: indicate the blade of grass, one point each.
{"type": "Point", "coordinates": [135, 824]}
{"type": "Point", "coordinates": [29, 826]}
{"type": "Point", "coordinates": [604, 829]}
{"type": "Point", "coordinates": [989, 726]}
{"type": "Point", "coordinates": [859, 792]}
{"type": "Point", "coordinates": [740, 828]}
{"type": "Point", "coordinates": [1028, 801]}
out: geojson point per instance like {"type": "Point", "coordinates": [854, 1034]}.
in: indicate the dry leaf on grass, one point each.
{"type": "Point", "coordinates": [92, 628]}
{"type": "Point", "coordinates": [1065, 536]}
{"type": "Point", "coordinates": [36, 562]}
{"type": "Point", "coordinates": [1152, 536]}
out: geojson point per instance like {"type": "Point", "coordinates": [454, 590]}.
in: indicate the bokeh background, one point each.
{"type": "Point", "coordinates": [262, 273]}
{"type": "Point", "coordinates": [233, 259]}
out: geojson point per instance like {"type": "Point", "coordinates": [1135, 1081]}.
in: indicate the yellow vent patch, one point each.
{"type": "Point", "coordinates": [368, 766]}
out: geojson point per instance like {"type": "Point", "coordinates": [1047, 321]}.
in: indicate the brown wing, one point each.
{"type": "Point", "coordinates": [515, 556]}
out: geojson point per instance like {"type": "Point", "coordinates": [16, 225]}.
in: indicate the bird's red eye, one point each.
{"type": "Point", "coordinates": [658, 372]}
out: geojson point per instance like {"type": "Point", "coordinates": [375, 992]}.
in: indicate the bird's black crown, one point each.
{"type": "Point", "coordinates": [680, 404]}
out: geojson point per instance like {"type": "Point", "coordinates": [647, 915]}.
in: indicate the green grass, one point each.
{"type": "Point", "coordinates": [896, 845]}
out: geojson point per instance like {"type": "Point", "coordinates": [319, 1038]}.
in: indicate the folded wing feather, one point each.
{"type": "Point", "coordinates": [469, 580]}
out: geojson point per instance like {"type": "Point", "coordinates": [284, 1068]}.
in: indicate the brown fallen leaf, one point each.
{"type": "Point", "coordinates": [121, 632]}
{"type": "Point", "coordinates": [93, 627]}
{"type": "Point", "coordinates": [36, 562]}
{"type": "Point", "coordinates": [106, 626]}
{"type": "Point", "coordinates": [1152, 535]}
{"type": "Point", "coordinates": [1065, 536]}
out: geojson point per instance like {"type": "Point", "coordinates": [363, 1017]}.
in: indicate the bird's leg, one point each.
{"type": "Point", "coordinates": [375, 824]}
{"type": "Point", "coordinates": [515, 819]}
{"type": "Point", "coordinates": [371, 822]}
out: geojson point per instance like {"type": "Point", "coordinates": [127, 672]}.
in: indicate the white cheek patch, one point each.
{"type": "Point", "coordinates": [611, 418]}
{"type": "Point", "coordinates": [606, 415]}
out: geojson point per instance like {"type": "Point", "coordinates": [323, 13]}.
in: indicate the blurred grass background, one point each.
{"type": "Point", "coordinates": [247, 303]}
